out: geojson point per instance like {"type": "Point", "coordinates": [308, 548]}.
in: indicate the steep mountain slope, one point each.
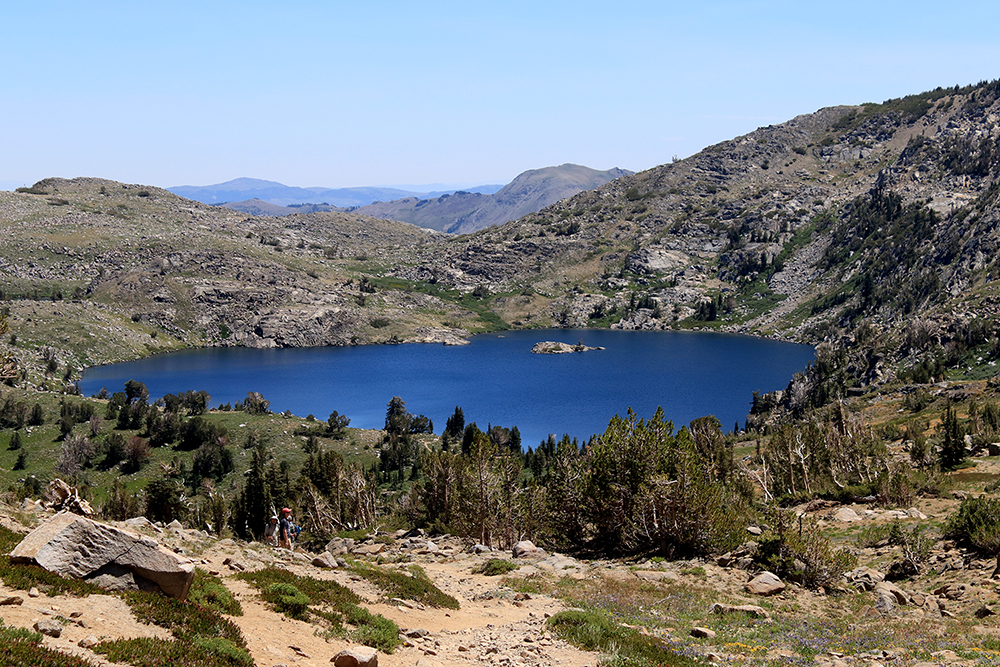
{"type": "Point", "coordinates": [851, 220]}
{"type": "Point", "coordinates": [465, 212]}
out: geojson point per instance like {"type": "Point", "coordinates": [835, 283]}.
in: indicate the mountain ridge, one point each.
{"type": "Point", "coordinates": [242, 189]}
{"type": "Point", "coordinates": [747, 236]}
{"type": "Point", "coordinates": [464, 212]}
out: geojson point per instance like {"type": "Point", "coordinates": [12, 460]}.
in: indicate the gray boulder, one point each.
{"type": "Point", "coordinates": [325, 560]}
{"type": "Point", "coordinates": [79, 548]}
{"type": "Point", "coordinates": [765, 583]}
{"type": "Point", "coordinates": [864, 578]}
{"type": "Point", "coordinates": [885, 603]}
{"type": "Point", "coordinates": [846, 515]}
{"type": "Point", "coordinates": [48, 626]}
{"type": "Point", "coordinates": [359, 656]}
{"type": "Point", "coordinates": [526, 549]}
{"type": "Point", "coordinates": [340, 545]}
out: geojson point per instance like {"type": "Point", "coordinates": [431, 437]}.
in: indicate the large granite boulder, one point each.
{"type": "Point", "coordinates": [79, 548]}
{"type": "Point", "coordinates": [358, 656]}
{"type": "Point", "coordinates": [765, 583]}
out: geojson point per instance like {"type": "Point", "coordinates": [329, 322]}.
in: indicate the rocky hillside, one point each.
{"type": "Point", "coordinates": [871, 227]}
{"type": "Point", "coordinates": [466, 212]}
{"type": "Point", "coordinates": [260, 207]}
{"type": "Point", "coordinates": [881, 215]}
{"type": "Point", "coordinates": [95, 271]}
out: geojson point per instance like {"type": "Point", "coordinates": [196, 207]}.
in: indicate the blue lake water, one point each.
{"type": "Point", "coordinates": [495, 380]}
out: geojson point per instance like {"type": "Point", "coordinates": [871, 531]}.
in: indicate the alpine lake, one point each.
{"type": "Point", "coordinates": [496, 379]}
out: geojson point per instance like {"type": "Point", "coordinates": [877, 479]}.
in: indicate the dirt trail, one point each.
{"type": "Point", "coordinates": [488, 629]}
{"type": "Point", "coordinates": [491, 628]}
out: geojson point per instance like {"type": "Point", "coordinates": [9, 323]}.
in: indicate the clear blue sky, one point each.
{"type": "Point", "coordinates": [329, 93]}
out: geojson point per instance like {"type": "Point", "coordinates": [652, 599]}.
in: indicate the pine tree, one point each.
{"type": "Point", "coordinates": [455, 424]}
{"type": "Point", "coordinates": [252, 505]}
{"type": "Point", "coordinates": [952, 452]}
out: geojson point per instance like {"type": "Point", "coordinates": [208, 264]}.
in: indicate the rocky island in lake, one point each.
{"type": "Point", "coordinates": [550, 347]}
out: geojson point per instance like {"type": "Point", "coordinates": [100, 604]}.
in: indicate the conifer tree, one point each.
{"type": "Point", "coordinates": [252, 505]}
{"type": "Point", "coordinates": [952, 451]}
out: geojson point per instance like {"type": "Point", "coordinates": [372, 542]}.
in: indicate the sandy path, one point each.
{"type": "Point", "coordinates": [493, 627]}
{"type": "Point", "coordinates": [486, 630]}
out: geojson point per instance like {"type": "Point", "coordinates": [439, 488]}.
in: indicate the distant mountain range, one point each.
{"type": "Point", "coordinates": [466, 212]}
{"type": "Point", "coordinates": [454, 211]}
{"type": "Point", "coordinates": [241, 190]}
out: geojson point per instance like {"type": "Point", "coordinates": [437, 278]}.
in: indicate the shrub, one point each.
{"type": "Point", "coordinates": [416, 587]}
{"type": "Point", "coordinates": [196, 652]}
{"type": "Point", "coordinates": [184, 619]}
{"type": "Point", "coordinates": [976, 524]}
{"type": "Point", "coordinates": [255, 404]}
{"type": "Point", "coordinates": [20, 646]}
{"type": "Point", "coordinates": [496, 566]}
{"type": "Point", "coordinates": [208, 591]}
{"type": "Point", "coordinates": [802, 552]}
{"type": "Point", "coordinates": [330, 601]}
{"type": "Point", "coordinates": [121, 503]}
{"type": "Point", "coordinates": [595, 631]}
{"type": "Point", "coordinates": [373, 630]}
{"type": "Point", "coordinates": [288, 599]}
{"type": "Point", "coordinates": [914, 544]}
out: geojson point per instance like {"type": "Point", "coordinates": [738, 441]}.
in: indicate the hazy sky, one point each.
{"type": "Point", "coordinates": [329, 93]}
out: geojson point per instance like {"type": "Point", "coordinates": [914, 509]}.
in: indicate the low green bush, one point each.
{"type": "Point", "coordinates": [209, 591]}
{"type": "Point", "coordinates": [22, 648]}
{"type": "Point", "coordinates": [153, 652]}
{"type": "Point", "coordinates": [596, 631]}
{"type": "Point", "coordinates": [372, 630]}
{"type": "Point", "coordinates": [495, 567]}
{"type": "Point", "coordinates": [183, 619]}
{"type": "Point", "coordinates": [288, 599]}
{"type": "Point", "coordinates": [223, 649]}
{"type": "Point", "coordinates": [976, 524]}
{"type": "Point", "coordinates": [308, 598]}
{"type": "Point", "coordinates": [414, 586]}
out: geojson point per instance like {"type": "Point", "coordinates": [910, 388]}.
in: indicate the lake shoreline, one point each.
{"type": "Point", "coordinates": [495, 378]}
